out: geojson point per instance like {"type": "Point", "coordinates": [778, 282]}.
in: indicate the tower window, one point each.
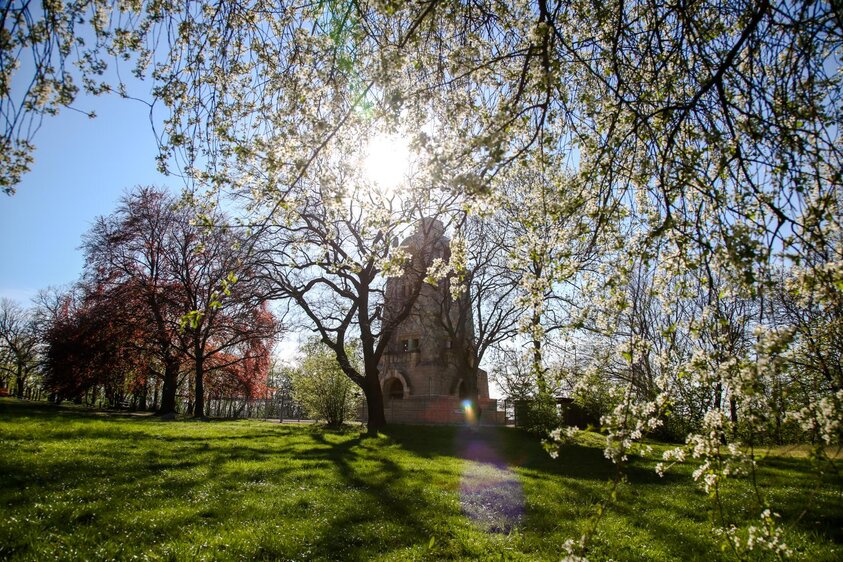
{"type": "Point", "coordinates": [410, 345]}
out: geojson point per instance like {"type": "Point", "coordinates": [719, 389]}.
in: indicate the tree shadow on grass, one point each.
{"type": "Point", "coordinates": [675, 533]}
{"type": "Point", "coordinates": [506, 447]}
{"type": "Point", "coordinates": [384, 488]}
{"type": "Point", "coordinates": [428, 442]}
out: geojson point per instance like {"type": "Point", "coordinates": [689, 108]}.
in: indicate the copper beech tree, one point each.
{"type": "Point", "coordinates": [159, 290]}
{"type": "Point", "coordinates": [94, 347]}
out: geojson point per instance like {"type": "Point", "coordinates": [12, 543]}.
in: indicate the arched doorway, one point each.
{"type": "Point", "coordinates": [462, 390]}
{"type": "Point", "coordinates": [393, 389]}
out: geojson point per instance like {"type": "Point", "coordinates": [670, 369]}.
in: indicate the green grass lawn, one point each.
{"type": "Point", "coordinates": [78, 485]}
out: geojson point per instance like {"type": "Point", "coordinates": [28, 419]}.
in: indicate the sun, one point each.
{"type": "Point", "coordinates": [386, 161]}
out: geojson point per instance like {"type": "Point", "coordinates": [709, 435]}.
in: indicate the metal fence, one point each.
{"type": "Point", "coordinates": [570, 413]}
{"type": "Point", "coordinates": [279, 407]}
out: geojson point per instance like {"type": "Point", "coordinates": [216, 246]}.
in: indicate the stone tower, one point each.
{"type": "Point", "coordinates": [419, 372]}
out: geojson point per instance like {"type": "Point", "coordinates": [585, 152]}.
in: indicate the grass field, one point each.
{"type": "Point", "coordinates": [77, 485]}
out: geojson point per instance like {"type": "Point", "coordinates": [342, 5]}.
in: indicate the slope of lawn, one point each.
{"type": "Point", "coordinates": [79, 485]}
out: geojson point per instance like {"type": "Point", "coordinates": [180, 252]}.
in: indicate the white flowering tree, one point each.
{"type": "Point", "coordinates": [560, 233]}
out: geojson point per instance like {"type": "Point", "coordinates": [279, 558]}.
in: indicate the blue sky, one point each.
{"type": "Point", "coordinates": [82, 167]}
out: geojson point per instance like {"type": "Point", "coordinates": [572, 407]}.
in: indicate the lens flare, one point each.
{"type": "Point", "coordinates": [470, 413]}
{"type": "Point", "coordinates": [491, 495]}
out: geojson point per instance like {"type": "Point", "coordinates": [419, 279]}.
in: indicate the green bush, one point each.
{"type": "Point", "coordinates": [541, 415]}
{"type": "Point", "coordinates": [593, 395]}
{"type": "Point", "coordinates": [321, 386]}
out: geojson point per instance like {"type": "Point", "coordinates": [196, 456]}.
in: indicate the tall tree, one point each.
{"type": "Point", "coordinates": [330, 254]}
{"type": "Point", "coordinates": [190, 303]}
{"type": "Point", "coordinates": [220, 300]}
{"type": "Point", "coordinates": [126, 252]}
{"type": "Point", "coordinates": [559, 230]}
{"type": "Point", "coordinates": [18, 344]}
{"type": "Point", "coordinates": [478, 305]}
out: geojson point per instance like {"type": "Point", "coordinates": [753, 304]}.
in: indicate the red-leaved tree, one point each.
{"type": "Point", "coordinates": [161, 297]}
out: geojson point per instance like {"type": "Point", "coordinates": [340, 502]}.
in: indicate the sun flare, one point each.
{"type": "Point", "coordinates": [386, 161]}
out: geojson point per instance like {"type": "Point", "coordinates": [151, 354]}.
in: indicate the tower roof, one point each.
{"type": "Point", "coordinates": [429, 231]}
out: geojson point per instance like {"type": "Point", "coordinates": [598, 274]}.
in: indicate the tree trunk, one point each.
{"type": "Point", "coordinates": [199, 386]}
{"type": "Point", "coordinates": [19, 382]}
{"type": "Point", "coordinates": [374, 404]}
{"type": "Point", "coordinates": [189, 410]}
{"type": "Point", "coordinates": [538, 363]}
{"type": "Point", "coordinates": [718, 405]}
{"type": "Point", "coordinates": [142, 398]}
{"type": "Point", "coordinates": [733, 410]}
{"type": "Point", "coordinates": [155, 393]}
{"type": "Point", "coordinates": [718, 396]}
{"type": "Point", "coordinates": [168, 392]}
{"type": "Point", "coordinates": [472, 391]}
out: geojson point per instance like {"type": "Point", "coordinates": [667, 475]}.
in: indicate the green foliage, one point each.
{"type": "Point", "coordinates": [321, 386]}
{"type": "Point", "coordinates": [541, 415]}
{"type": "Point", "coordinates": [84, 486]}
{"type": "Point", "coordinates": [594, 396]}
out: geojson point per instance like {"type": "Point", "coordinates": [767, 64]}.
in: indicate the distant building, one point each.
{"type": "Point", "coordinates": [420, 375]}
